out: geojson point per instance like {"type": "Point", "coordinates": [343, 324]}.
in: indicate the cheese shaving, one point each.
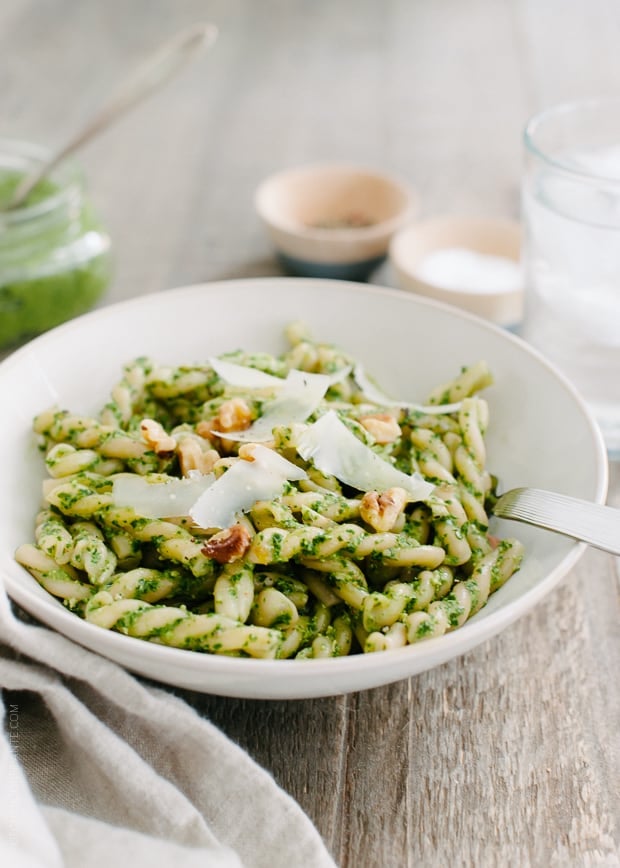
{"type": "Point", "coordinates": [245, 482]}
{"type": "Point", "coordinates": [243, 376]}
{"type": "Point", "coordinates": [375, 395]}
{"type": "Point", "coordinates": [299, 397]}
{"type": "Point", "coordinates": [171, 499]}
{"type": "Point", "coordinates": [246, 377]}
{"type": "Point", "coordinates": [336, 451]}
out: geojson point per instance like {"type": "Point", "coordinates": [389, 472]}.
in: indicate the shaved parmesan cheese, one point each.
{"type": "Point", "coordinates": [300, 395]}
{"type": "Point", "coordinates": [169, 499]}
{"type": "Point", "coordinates": [272, 461]}
{"type": "Point", "coordinates": [377, 396]}
{"type": "Point", "coordinates": [245, 482]}
{"type": "Point", "coordinates": [244, 376]}
{"type": "Point", "coordinates": [335, 450]}
{"type": "Point", "coordinates": [337, 376]}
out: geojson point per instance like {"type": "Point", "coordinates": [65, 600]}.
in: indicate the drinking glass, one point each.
{"type": "Point", "coordinates": [571, 250]}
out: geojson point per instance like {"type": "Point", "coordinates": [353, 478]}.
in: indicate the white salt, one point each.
{"type": "Point", "coordinates": [461, 269]}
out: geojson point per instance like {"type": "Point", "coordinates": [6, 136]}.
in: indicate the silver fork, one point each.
{"type": "Point", "coordinates": [596, 525]}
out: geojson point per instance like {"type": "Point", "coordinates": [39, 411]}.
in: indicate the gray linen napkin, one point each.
{"type": "Point", "coordinates": [97, 766]}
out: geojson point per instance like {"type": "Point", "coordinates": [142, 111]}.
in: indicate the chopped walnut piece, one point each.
{"type": "Point", "coordinates": [233, 415]}
{"type": "Point", "coordinates": [383, 427]}
{"type": "Point", "coordinates": [156, 437]}
{"type": "Point", "coordinates": [193, 457]}
{"type": "Point", "coordinates": [382, 511]}
{"type": "Point", "coordinates": [204, 429]}
{"type": "Point", "coordinates": [228, 545]}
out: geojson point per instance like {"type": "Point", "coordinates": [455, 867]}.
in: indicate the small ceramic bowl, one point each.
{"type": "Point", "coordinates": [470, 262]}
{"type": "Point", "coordinates": [333, 220]}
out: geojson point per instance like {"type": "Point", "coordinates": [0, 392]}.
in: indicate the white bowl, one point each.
{"type": "Point", "coordinates": [333, 220]}
{"type": "Point", "coordinates": [481, 236]}
{"type": "Point", "coordinates": [540, 434]}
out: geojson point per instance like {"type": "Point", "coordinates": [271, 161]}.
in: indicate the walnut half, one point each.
{"type": "Point", "coordinates": [383, 427]}
{"type": "Point", "coordinates": [228, 545]}
{"type": "Point", "coordinates": [381, 511]}
{"type": "Point", "coordinates": [156, 437]}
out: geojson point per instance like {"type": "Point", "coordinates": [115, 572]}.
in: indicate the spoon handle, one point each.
{"type": "Point", "coordinates": [169, 59]}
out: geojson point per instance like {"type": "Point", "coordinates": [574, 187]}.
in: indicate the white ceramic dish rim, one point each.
{"type": "Point", "coordinates": [404, 662]}
{"type": "Point", "coordinates": [361, 233]}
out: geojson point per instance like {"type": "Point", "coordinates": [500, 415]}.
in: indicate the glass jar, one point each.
{"type": "Point", "coordinates": [54, 253]}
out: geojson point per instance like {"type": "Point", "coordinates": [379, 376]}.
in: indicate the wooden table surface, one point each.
{"type": "Point", "coordinates": [510, 755]}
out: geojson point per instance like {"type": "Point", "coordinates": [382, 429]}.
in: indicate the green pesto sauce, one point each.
{"type": "Point", "coordinates": [46, 298]}
{"type": "Point", "coordinates": [146, 586]}
{"type": "Point", "coordinates": [9, 182]}
{"type": "Point", "coordinates": [424, 628]}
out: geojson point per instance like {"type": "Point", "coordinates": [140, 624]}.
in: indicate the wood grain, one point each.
{"type": "Point", "coordinates": [510, 755]}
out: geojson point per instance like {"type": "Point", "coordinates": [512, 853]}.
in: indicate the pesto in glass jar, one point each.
{"type": "Point", "coordinates": [54, 252]}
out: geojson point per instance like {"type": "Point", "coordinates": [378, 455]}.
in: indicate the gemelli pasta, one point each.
{"type": "Point", "coordinates": [270, 506]}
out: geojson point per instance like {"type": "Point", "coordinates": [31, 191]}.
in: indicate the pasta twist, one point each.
{"type": "Point", "coordinates": [381, 610]}
{"type": "Point", "coordinates": [83, 432]}
{"type": "Point", "coordinates": [394, 637]}
{"type": "Point", "coordinates": [470, 455]}
{"type": "Point", "coordinates": [272, 608]}
{"type": "Point", "coordinates": [153, 585]}
{"type": "Point", "coordinates": [90, 553]}
{"type": "Point", "coordinates": [345, 577]}
{"type": "Point", "coordinates": [233, 593]}
{"type": "Point", "coordinates": [449, 524]}
{"type": "Point", "coordinates": [176, 626]}
{"type": "Point", "coordinates": [60, 581]}
{"type": "Point", "coordinates": [169, 383]}
{"type": "Point", "coordinates": [128, 397]}
{"type": "Point", "coordinates": [279, 545]}
{"type": "Point", "coordinates": [467, 597]}
{"type": "Point", "coordinates": [470, 380]}
{"type": "Point", "coordinates": [53, 537]}
{"type": "Point", "coordinates": [296, 590]}
{"type": "Point", "coordinates": [65, 460]}
{"type": "Point", "coordinates": [329, 504]}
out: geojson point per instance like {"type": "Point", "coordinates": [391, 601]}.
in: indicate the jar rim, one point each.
{"type": "Point", "coordinates": [68, 177]}
{"type": "Point", "coordinates": [564, 109]}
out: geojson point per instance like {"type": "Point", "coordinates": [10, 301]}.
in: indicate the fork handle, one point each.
{"type": "Point", "coordinates": [592, 523]}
